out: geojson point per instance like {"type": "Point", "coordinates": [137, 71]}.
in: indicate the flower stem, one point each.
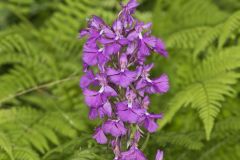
{"type": "Point", "coordinates": [145, 142]}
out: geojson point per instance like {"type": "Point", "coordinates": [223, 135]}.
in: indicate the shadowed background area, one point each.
{"type": "Point", "coordinates": [42, 112]}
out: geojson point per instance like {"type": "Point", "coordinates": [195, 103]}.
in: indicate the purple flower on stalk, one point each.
{"type": "Point", "coordinates": [115, 128]}
{"type": "Point", "coordinates": [119, 91]}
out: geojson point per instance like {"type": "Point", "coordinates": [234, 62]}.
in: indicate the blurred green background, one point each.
{"type": "Point", "coordinates": [42, 113]}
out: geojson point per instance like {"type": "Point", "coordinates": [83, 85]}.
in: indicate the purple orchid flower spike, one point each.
{"type": "Point", "coordinates": [117, 84]}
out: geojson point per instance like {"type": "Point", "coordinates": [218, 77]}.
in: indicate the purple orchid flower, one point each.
{"type": "Point", "coordinates": [100, 136]}
{"type": "Point", "coordinates": [93, 98]}
{"type": "Point", "coordinates": [137, 33]}
{"type": "Point", "coordinates": [97, 98]}
{"type": "Point", "coordinates": [147, 43]}
{"type": "Point", "coordinates": [159, 155]}
{"type": "Point", "coordinates": [129, 114]}
{"type": "Point", "coordinates": [149, 121]}
{"type": "Point", "coordinates": [92, 55]}
{"type": "Point", "coordinates": [118, 92]}
{"type": "Point", "coordinates": [129, 111]}
{"type": "Point", "coordinates": [145, 102]}
{"type": "Point", "coordinates": [114, 40]}
{"type": "Point", "coordinates": [133, 154]}
{"type": "Point", "coordinates": [115, 128]}
{"type": "Point", "coordinates": [95, 30]}
{"type": "Point", "coordinates": [126, 14]}
{"type": "Point", "coordinates": [122, 77]}
{"type": "Point", "coordinates": [101, 111]}
{"type": "Point", "coordinates": [87, 80]}
{"type": "Point", "coordinates": [157, 85]}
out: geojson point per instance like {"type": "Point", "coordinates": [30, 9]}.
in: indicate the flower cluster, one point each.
{"type": "Point", "coordinates": [117, 82]}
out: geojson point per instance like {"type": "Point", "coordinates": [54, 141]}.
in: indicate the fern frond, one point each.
{"type": "Point", "coordinates": [69, 11]}
{"type": "Point", "coordinates": [21, 6]}
{"type": "Point", "coordinates": [186, 39]}
{"type": "Point", "coordinates": [26, 127]}
{"type": "Point", "coordinates": [214, 79]}
{"type": "Point", "coordinates": [207, 39]}
{"type": "Point", "coordinates": [15, 49]}
{"type": "Point", "coordinates": [85, 154]}
{"type": "Point", "coordinates": [181, 99]}
{"type": "Point", "coordinates": [211, 82]}
{"type": "Point", "coordinates": [228, 125]}
{"type": "Point", "coordinates": [180, 15]}
{"type": "Point", "coordinates": [219, 150]}
{"type": "Point", "coordinates": [6, 145]}
{"type": "Point", "coordinates": [230, 26]}
{"type": "Point", "coordinates": [19, 29]}
{"type": "Point", "coordinates": [189, 141]}
{"type": "Point", "coordinates": [25, 154]}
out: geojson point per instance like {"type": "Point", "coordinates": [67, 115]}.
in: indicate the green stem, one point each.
{"type": "Point", "coordinates": [145, 142]}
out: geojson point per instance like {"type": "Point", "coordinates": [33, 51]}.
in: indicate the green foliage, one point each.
{"type": "Point", "coordinates": [42, 111]}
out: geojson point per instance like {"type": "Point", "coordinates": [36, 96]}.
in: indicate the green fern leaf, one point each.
{"type": "Point", "coordinates": [231, 25]}
{"type": "Point", "coordinates": [25, 154]}
{"type": "Point", "coordinates": [211, 82]}
{"type": "Point", "coordinates": [6, 146]}
{"type": "Point", "coordinates": [181, 99]}
{"type": "Point", "coordinates": [190, 141]}
{"type": "Point", "coordinates": [207, 39]}
{"type": "Point", "coordinates": [185, 39]}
